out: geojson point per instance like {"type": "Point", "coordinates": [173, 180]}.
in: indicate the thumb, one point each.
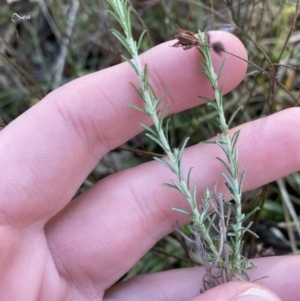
{"type": "Point", "coordinates": [238, 291]}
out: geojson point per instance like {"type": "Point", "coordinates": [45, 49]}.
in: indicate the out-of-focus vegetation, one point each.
{"type": "Point", "coordinates": [63, 40]}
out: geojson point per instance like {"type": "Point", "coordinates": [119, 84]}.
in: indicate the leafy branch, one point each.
{"type": "Point", "coordinates": [217, 227]}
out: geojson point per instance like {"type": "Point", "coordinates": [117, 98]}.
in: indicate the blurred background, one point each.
{"type": "Point", "coordinates": [45, 44]}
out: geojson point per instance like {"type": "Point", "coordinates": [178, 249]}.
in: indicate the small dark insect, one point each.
{"type": "Point", "coordinates": [187, 40]}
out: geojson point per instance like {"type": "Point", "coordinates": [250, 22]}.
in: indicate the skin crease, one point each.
{"type": "Point", "coordinates": [54, 249]}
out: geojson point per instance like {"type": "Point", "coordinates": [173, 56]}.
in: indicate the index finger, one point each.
{"type": "Point", "coordinates": [51, 148]}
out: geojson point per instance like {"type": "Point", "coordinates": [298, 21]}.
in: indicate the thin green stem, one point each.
{"type": "Point", "coordinates": [233, 180]}
{"type": "Point", "coordinates": [150, 108]}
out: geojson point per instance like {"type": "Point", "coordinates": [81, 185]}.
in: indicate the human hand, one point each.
{"type": "Point", "coordinates": [54, 249]}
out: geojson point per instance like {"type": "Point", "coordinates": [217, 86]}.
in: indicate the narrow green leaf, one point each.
{"type": "Point", "coordinates": [208, 142]}
{"type": "Point", "coordinates": [163, 114]}
{"type": "Point", "coordinates": [245, 229]}
{"type": "Point", "coordinates": [140, 39]}
{"type": "Point", "coordinates": [223, 146]}
{"type": "Point", "coordinates": [214, 105]}
{"type": "Point", "coordinates": [162, 98]}
{"type": "Point", "coordinates": [235, 138]}
{"type": "Point", "coordinates": [149, 129]}
{"type": "Point", "coordinates": [211, 221]}
{"type": "Point", "coordinates": [178, 187]}
{"type": "Point", "coordinates": [225, 165]}
{"type": "Point", "coordinates": [183, 147]}
{"type": "Point", "coordinates": [130, 63]}
{"type": "Point", "coordinates": [115, 16]}
{"type": "Point", "coordinates": [222, 91]}
{"type": "Point", "coordinates": [189, 178]}
{"type": "Point", "coordinates": [194, 197]}
{"type": "Point", "coordinates": [223, 128]}
{"type": "Point", "coordinates": [179, 166]}
{"type": "Point", "coordinates": [170, 186]}
{"type": "Point", "coordinates": [220, 72]}
{"type": "Point", "coordinates": [250, 213]}
{"type": "Point", "coordinates": [233, 116]}
{"type": "Point", "coordinates": [167, 130]}
{"type": "Point", "coordinates": [228, 183]}
{"type": "Point", "coordinates": [202, 66]}
{"type": "Point", "coordinates": [139, 91]}
{"type": "Point", "coordinates": [146, 76]}
{"type": "Point", "coordinates": [222, 138]}
{"type": "Point", "coordinates": [236, 157]}
{"type": "Point", "coordinates": [226, 153]}
{"type": "Point", "coordinates": [164, 162]}
{"type": "Point", "coordinates": [127, 17]}
{"type": "Point", "coordinates": [121, 38]}
{"type": "Point", "coordinates": [182, 211]}
{"type": "Point", "coordinates": [137, 108]}
{"type": "Point", "coordinates": [154, 97]}
{"type": "Point", "coordinates": [242, 182]}
{"type": "Point", "coordinates": [206, 98]}
{"type": "Point", "coordinates": [235, 199]}
{"type": "Point", "coordinates": [152, 137]}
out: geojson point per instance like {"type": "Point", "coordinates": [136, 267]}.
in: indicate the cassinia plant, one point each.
{"type": "Point", "coordinates": [217, 226]}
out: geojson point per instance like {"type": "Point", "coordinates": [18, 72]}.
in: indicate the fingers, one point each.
{"type": "Point", "coordinates": [132, 210]}
{"type": "Point", "coordinates": [238, 291]}
{"type": "Point", "coordinates": [281, 282]}
{"type": "Point", "coordinates": [48, 151]}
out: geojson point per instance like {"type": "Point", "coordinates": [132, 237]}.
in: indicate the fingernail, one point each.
{"type": "Point", "coordinates": [256, 294]}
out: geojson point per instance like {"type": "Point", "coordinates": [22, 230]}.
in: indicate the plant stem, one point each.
{"type": "Point", "coordinates": [203, 220]}
{"type": "Point", "coordinates": [227, 145]}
